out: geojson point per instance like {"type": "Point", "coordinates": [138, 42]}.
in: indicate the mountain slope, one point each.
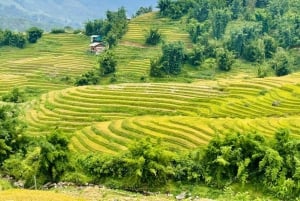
{"type": "Point", "coordinates": [19, 15]}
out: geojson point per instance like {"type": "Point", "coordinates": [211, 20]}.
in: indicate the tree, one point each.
{"type": "Point", "coordinates": [11, 132]}
{"type": "Point", "coordinates": [236, 9]}
{"type": "Point", "coordinates": [148, 163]}
{"type": "Point", "coordinates": [54, 157]}
{"type": "Point", "coordinates": [261, 3]}
{"type": "Point", "coordinates": [89, 28]}
{"type": "Point", "coordinates": [255, 51]}
{"type": "Point", "coordinates": [153, 36]}
{"type": "Point", "coordinates": [201, 11]}
{"type": "Point", "coordinates": [143, 10]}
{"type": "Point", "coordinates": [270, 46]}
{"type": "Point", "coordinates": [237, 42]}
{"type": "Point", "coordinates": [163, 6]}
{"type": "Point", "coordinates": [155, 68]}
{"type": "Point", "coordinates": [89, 78]}
{"type": "Point", "coordinates": [173, 57]}
{"type": "Point", "coordinates": [107, 63]}
{"type": "Point", "coordinates": [220, 19]}
{"type": "Point", "coordinates": [33, 34]}
{"type": "Point", "coordinates": [281, 63]}
{"type": "Point", "coordinates": [196, 57]}
{"type": "Point", "coordinates": [224, 59]}
{"type": "Point", "coordinates": [197, 29]}
{"type": "Point", "coordinates": [15, 96]}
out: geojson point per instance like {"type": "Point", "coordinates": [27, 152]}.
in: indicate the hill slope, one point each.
{"type": "Point", "coordinates": [43, 65]}
{"type": "Point", "coordinates": [20, 15]}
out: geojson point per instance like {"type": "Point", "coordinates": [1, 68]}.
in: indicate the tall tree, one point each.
{"type": "Point", "coordinates": [173, 57]}
{"type": "Point", "coordinates": [220, 19]}
{"type": "Point", "coordinates": [11, 132]}
{"type": "Point", "coordinates": [54, 157]}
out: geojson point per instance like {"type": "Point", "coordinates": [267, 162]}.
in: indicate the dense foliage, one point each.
{"type": "Point", "coordinates": [89, 78]}
{"type": "Point", "coordinates": [170, 62]}
{"type": "Point", "coordinates": [33, 34]}
{"type": "Point", "coordinates": [153, 37]}
{"type": "Point", "coordinates": [273, 164]}
{"type": "Point", "coordinates": [11, 132]}
{"type": "Point", "coordinates": [143, 10]}
{"type": "Point", "coordinates": [111, 29]}
{"type": "Point", "coordinates": [58, 31]}
{"type": "Point", "coordinates": [9, 38]}
{"type": "Point", "coordinates": [252, 30]}
{"type": "Point", "coordinates": [107, 63]}
{"type": "Point", "coordinates": [237, 158]}
{"type": "Point", "coordinates": [14, 96]}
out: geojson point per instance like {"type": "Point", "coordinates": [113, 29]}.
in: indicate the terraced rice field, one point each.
{"type": "Point", "coordinates": [178, 133]}
{"type": "Point", "coordinates": [108, 118]}
{"type": "Point", "coordinates": [43, 64]}
{"type": "Point", "coordinates": [133, 56]}
{"type": "Point", "coordinates": [170, 29]}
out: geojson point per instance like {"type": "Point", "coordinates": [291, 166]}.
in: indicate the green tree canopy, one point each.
{"type": "Point", "coordinates": [107, 63]}
{"type": "Point", "coordinates": [54, 157]}
{"type": "Point", "coordinates": [11, 132]}
{"type": "Point", "coordinates": [33, 34]}
{"type": "Point", "coordinates": [173, 57]}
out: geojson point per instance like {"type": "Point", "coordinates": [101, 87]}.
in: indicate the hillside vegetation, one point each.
{"type": "Point", "coordinates": [212, 102]}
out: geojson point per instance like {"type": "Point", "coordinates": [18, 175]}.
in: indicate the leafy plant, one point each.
{"type": "Point", "coordinates": [33, 34]}
{"type": "Point", "coordinates": [15, 96]}
{"type": "Point", "coordinates": [107, 63]}
{"type": "Point", "coordinates": [153, 37]}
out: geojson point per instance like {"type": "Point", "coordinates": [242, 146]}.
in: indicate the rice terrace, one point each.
{"type": "Point", "coordinates": [187, 100]}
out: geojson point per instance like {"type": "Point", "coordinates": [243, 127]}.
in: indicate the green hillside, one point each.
{"type": "Point", "coordinates": [44, 65]}
{"type": "Point", "coordinates": [140, 131]}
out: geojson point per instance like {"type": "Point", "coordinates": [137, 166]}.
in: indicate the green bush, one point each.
{"type": "Point", "coordinates": [33, 34]}
{"type": "Point", "coordinates": [57, 31]}
{"type": "Point", "coordinates": [4, 185]}
{"type": "Point", "coordinates": [153, 37]}
{"type": "Point", "coordinates": [281, 63]}
{"type": "Point", "coordinates": [89, 78]}
{"type": "Point", "coordinates": [107, 63]}
{"type": "Point", "coordinates": [225, 59]}
{"type": "Point", "coordinates": [15, 96]}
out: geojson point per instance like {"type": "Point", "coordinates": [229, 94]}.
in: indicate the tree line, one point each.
{"type": "Point", "coordinates": [9, 38]}
{"type": "Point", "coordinates": [234, 158]}
{"type": "Point", "coordinates": [111, 29]}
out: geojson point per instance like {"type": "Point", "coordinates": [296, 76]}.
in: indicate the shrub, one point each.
{"type": "Point", "coordinates": [33, 34]}
{"type": "Point", "coordinates": [57, 31]}
{"type": "Point", "coordinates": [224, 59]}
{"type": "Point", "coordinates": [15, 96]}
{"type": "Point", "coordinates": [89, 78]}
{"type": "Point", "coordinates": [196, 57]}
{"type": "Point", "coordinates": [107, 63]}
{"type": "Point", "coordinates": [153, 37]}
{"type": "Point", "coordinates": [281, 63]}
